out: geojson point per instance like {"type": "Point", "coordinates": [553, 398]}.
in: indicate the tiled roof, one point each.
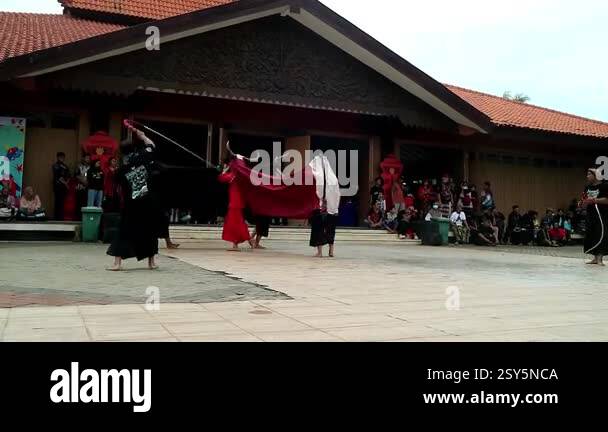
{"type": "Point", "coordinates": [505, 112]}
{"type": "Point", "coordinates": [24, 33]}
{"type": "Point", "coordinates": [151, 9]}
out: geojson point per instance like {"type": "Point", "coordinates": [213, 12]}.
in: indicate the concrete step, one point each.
{"type": "Point", "coordinates": [187, 234]}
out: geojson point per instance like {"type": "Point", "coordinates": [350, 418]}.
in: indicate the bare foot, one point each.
{"type": "Point", "coordinates": [317, 255]}
{"type": "Point", "coordinates": [114, 268]}
{"type": "Point", "coordinates": [233, 250]}
{"type": "Point", "coordinates": [152, 267]}
{"type": "Point", "coordinates": [331, 255]}
{"type": "Point", "coordinates": [592, 262]}
{"type": "Point", "coordinates": [259, 247]}
{"type": "Point", "coordinates": [171, 245]}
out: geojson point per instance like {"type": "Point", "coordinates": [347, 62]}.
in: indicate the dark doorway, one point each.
{"type": "Point", "coordinates": [191, 136]}
{"type": "Point", "coordinates": [246, 144]}
{"type": "Point", "coordinates": [351, 207]}
{"type": "Point", "coordinates": [420, 162]}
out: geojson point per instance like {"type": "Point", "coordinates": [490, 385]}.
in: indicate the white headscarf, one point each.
{"type": "Point", "coordinates": [332, 189]}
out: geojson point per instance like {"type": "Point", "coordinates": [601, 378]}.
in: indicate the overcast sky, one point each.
{"type": "Point", "coordinates": [555, 51]}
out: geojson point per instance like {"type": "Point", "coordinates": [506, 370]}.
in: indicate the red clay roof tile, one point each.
{"type": "Point", "coordinates": [24, 33]}
{"type": "Point", "coordinates": [504, 112]}
{"type": "Point", "coordinates": [152, 9]}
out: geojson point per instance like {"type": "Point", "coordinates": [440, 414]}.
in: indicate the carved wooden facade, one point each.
{"type": "Point", "coordinates": [272, 60]}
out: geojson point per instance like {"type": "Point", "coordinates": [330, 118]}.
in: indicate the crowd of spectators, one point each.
{"type": "Point", "coordinates": [473, 216]}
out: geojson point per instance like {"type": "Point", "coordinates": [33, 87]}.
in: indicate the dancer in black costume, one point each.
{"type": "Point", "coordinates": [596, 203]}
{"type": "Point", "coordinates": [139, 225]}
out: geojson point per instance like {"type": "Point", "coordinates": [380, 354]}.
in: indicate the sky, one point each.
{"type": "Point", "coordinates": [554, 51]}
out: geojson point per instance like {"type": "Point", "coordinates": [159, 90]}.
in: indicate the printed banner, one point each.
{"type": "Point", "coordinates": [12, 147]}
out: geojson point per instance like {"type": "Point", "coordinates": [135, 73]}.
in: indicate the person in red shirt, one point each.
{"type": "Point", "coordinates": [397, 195]}
{"type": "Point", "coordinates": [426, 195]}
{"type": "Point", "coordinates": [235, 229]}
{"type": "Point", "coordinates": [557, 234]}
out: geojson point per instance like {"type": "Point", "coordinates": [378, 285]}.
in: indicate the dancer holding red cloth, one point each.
{"type": "Point", "coordinates": [235, 228]}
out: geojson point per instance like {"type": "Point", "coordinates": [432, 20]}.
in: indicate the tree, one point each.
{"type": "Point", "coordinates": [519, 97]}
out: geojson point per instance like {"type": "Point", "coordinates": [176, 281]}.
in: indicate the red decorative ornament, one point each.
{"type": "Point", "coordinates": [392, 168]}
{"type": "Point", "coordinates": [100, 146]}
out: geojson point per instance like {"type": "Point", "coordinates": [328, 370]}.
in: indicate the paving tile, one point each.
{"type": "Point", "coordinates": [353, 320]}
{"type": "Point", "coordinates": [117, 332]}
{"type": "Point", "coordinates": [202, 328]}
{"type": "Point", "coordinates": [185, 317]}
{"type": "Point", "coordinates": [234, 337]}
{"type": "Point", "coordinates": [69, 334]}
{"type": "Point", "coordinates": [43, 311]}
{"type": "Point", "coordinates": [38, 322]}
{"type": "Point", "coordinates": [380, 333]}
{"type": "Point", "coordinates": [297, 336]}
{"type": "Point", "coordinates": [262, 324]}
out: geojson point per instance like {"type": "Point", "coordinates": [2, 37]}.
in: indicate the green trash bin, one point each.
{"type": "Point", "coordinates": [444, 230]}
{"type": "Point", "coordinates": [91, 221]}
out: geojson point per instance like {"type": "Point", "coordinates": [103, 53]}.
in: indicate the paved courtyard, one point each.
{"type": "Point", "coordinates": [370, 292]}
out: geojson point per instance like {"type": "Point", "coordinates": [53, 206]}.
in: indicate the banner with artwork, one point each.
{"type": "Point", "coordinates": [12, 147]}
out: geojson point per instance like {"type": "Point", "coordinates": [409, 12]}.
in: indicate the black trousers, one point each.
{"type": "Point", "coordinates": [60, 195]}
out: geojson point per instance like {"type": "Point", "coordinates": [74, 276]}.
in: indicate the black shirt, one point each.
{"type": "Point", "coordinates": [95, 179]}
{"type": "Point", "coordinates": [374, 192]}
{"type": "Point", "coordinates": [597, 191]}
{"type": "Point", "coordinates": [60, 171]}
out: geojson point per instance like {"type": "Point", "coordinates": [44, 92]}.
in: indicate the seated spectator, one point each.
{"type": "Point", "coordinates": [568, 225]}
{"type": "Point", "coordinates": [426, 195]}
{"type": "Point", "coordinates": [409, 200]}
{"type": "Point", "coordinates": [560, 218]}
{"type": "Point", "coordinates": [512, 224]}
{"type": "Point", "coordinates": [548, 218]}
{"type": "Point", "coordinates": [382, 202]}
{"type": "Point", "coordinates": [488, 215]}
{"type": "Point", "coordinates": [542, 234]}
{"type": "Point", "coordinates": [499, 221]}
{"type": "Point", "coordinates": [466, 199]}
{"type": "Point", "coordinates": [433, 213]}
{"type": "Point", "coordinates": [405, 223]}
{"type": "Point", "coordinates": [483, 234]}
{"type": "Point", "coordinates": [376, 190]}
{"type": "Point", "coordinates": [446, 197]}
{"type": "Point", "coordinates": [458, 221]}
{"type": "Point", "coordinates": [374, 217]}
{"type": "Point", "coordinates": [397, 196]}
{"type": "Point", "coordinates": [389, 221]}
{"type": "Point", "coordinates": [7, 203]}
{"type": "Point", "coordinates": [527, 229]}
{"type": "Point", "coordinates": [30, 207]}
{"type": "Point", "coordinates": [558, 234]}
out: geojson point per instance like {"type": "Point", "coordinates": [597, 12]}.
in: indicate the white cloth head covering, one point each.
{"type": "Point", "coordinates": [332, 189]}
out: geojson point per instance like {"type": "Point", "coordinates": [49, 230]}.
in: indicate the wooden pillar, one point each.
{"type": "Point", "coordinates": [465, 165]}
{"type": "Point", "coordinates": [370, 169]}
{"type": "Point", "coordinates": [223, 139]}
{"type": "Point", "coordinates": [300, 144]}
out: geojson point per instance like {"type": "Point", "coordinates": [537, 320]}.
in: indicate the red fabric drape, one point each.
{"type": "Point", "coordinates": [295, 201]}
